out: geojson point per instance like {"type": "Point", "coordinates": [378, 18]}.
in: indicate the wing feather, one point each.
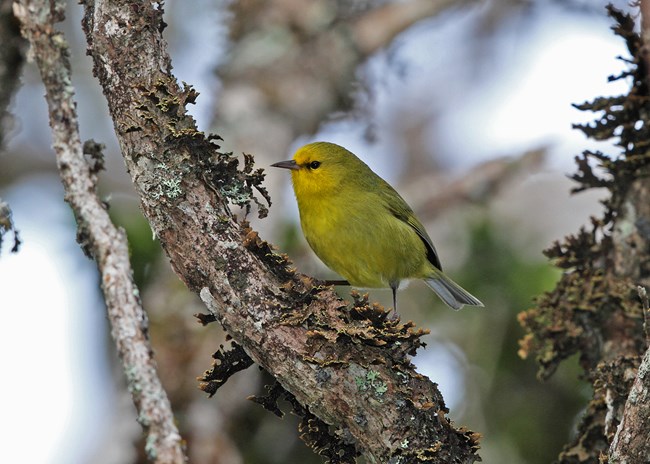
{"type": "Point", "coordinates": [402, 211]}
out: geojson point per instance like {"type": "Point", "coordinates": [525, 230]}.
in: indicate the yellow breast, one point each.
{"type": "Point", "coordinates": [359, 240]}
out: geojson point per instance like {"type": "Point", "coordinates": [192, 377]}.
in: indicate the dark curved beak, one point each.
{"type": "Point", "coordinates": [290, 164]}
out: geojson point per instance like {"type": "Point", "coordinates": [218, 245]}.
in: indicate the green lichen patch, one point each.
{"type": "Point", "coordinates": [166, 183]}
{"type": "Point", "coordinates": [372, 383]}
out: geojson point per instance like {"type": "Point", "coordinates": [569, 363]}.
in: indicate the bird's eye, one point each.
{"type": "Point", "coordinates": [314, 165]}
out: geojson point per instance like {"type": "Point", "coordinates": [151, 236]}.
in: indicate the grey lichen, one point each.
{"type": "Point", "coordinates": [165, 183]}
{"type": "Point", "coordinates": [371, 382]}
{"type": "Point", "coordinates": [150, 447]}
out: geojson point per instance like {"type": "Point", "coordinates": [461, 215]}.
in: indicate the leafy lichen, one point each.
{"type": "Point", "coordinates": [317, 434]}
{"type": "Point", "coordinates": [593, 307]}
{"type": "Point", "coordinates": [371, 383]}
{"type": "Point", "coordinates": [226, 364]}
{"type": "Point", "coordinates": [164, 100]}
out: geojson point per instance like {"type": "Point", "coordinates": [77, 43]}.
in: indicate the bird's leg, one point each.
{"type": "Point", "coordinates": [393, 287]}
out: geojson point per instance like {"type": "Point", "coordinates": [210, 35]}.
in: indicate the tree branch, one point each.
{"type": "Point", "coordinates": [631, 443]}
{"type": "Point", "coordinates": [11, 60]}
{"type": "Point", "coordinates": [349, 366]}
{"type": "Point", "coordinates": [97, 234]}
{"type": "Point", "coordinates": [477, 186]}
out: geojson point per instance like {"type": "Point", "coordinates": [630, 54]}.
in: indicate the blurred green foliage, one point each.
{"type": "Point", "coordinates": [533, 417]}
{"type": "Point", "coordinates": [144, 248]}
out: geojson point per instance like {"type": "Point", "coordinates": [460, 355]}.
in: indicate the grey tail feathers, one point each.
{"type": "Point", "coordinates": [451, 293]}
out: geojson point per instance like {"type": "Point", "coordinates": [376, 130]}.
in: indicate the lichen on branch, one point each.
{"type": "Point", "coordinates": [7, 226]}
{"type": "Point", "coordinates": [287, 323]}
{"type": "Point", "coordinates": [188, 148]}
{"type": "Point", "coordinates": [594, 311]}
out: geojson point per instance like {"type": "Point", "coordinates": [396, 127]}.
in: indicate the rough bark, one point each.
{"type": "Point", "coordinates": [349, 366]}
{"type": "Point", "coordinates": [632, 440]}
{"type": "Point", "coordinates": [99, 238]}
{"type": "Point", "coordinates": [631, 443]}
{"type": "Point", "coordinates": [11, 60]}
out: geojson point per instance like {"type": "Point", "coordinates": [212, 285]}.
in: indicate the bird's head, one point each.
{"type": "Point", "coordinates": [321, 168]}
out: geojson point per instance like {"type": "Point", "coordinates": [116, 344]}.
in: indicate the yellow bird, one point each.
{"type": "Point", "coordinates": [361, 228]}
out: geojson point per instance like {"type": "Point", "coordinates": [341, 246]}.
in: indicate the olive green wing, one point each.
{"type": "Point", "coordinates": [402, 211]}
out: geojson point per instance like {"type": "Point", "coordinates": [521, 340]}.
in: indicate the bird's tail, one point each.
{"type": "Point", "coordinates": [450, 292]}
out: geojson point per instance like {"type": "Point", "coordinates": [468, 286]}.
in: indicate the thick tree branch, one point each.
{"type": "Point", "coordinates": [349, 366]}
{"type": "Point", "coordinates": [631, 442]}
{"type": "Point", "coordinates": [11, 60]}
{"type": "Point", "coordinates": [632, 239]}
{"type": "Point", "coordinates": [97, 234]}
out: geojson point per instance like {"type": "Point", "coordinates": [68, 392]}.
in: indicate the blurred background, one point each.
{"type": "Point", "coordinates": [466, 110]}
